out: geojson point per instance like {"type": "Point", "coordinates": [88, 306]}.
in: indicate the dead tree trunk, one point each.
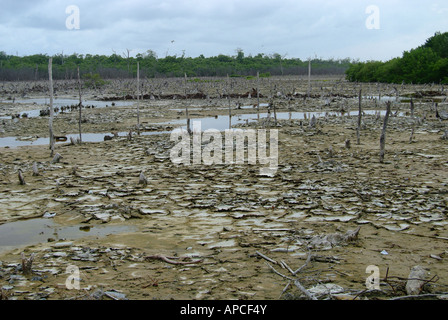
{"type": "Point", "coordinates": [358, 129]}
{"type": "Point", "coordinates": [80, 107]}
{"type": "Point", "coordinates": [309, 78]}
{"type": "Point", "coordinates": [228, 97]}
{"type": "Point", "coordinates": [188, 121]}
{"type": "Point", "coordinates": [383, 133]}
{"type": "Point", "coordinates": [258, 95]}
{"type": "Point", "coordinates": [50, 75]}
{"type": "Point", "coordinates": [138, 98]}
{"type": "Point", "coordinates": [27, 263]}
{"type": "Point", "coordinates": [186, 106]}
{"type": "Point", "coordinates": [35, 170]}
{"type": "Point", "coordinates": [21, 178]}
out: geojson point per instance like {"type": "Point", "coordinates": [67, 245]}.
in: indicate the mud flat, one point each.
{"type": "Point", "coordinates": [225, 231]}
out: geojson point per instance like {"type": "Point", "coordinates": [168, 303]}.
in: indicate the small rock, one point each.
{"type": "Point", "coordinates": [434, 256]}
{"type": "Point", "coordinates": [63, 244]}
{"type": "Point", "coordinates": [49, 215]}
{"type": "Point", "coordinates": [115, 295]}
{"type": "Point", "coordinates": [417, 277]}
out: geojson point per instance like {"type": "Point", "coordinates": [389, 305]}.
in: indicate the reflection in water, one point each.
{"type": "Point", "coordinates": [58, 103]}
{"type": "Point", "coordinates": [33, 231]}
{"type": "Point", "coordinates": [219, 123]}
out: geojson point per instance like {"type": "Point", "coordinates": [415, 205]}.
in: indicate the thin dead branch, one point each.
{"type": "Point", "coordinates": [171, 259]}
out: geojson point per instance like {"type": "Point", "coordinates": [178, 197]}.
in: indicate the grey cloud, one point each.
{"type": "Point", "coordinates": [210, 27]}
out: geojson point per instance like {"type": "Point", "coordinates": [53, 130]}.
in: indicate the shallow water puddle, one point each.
{"type": "Point", "coordinates": [58, 103]}
{"type": "Point", "coordinates": [12, 142]}
{"type": "Point", "coordinates": [222, 122]}
{"type": "Point", "coordinates": [219, 123]}
{"type": "Point", "coordinates": [34, 231]}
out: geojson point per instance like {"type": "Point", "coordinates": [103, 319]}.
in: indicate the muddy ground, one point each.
{"type": "Point", "coordinates": [219, 231]}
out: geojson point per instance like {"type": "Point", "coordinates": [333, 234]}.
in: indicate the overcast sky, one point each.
{"type": "Point", "coordinates": [292, 28]}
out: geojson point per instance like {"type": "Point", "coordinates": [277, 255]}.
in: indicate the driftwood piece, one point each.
{"type": "Point", "coordinates": [57, 157]}
{"type": "Point", "coordinates": [27, 263]}
{"type": "Point", "coordinates": [142, 179]}
{"type": "Point", "coordinates": [171, 259]}
{"type": "Point", "coordinates": [334, 239]}
{"type": "Point", "coordinates": [35, 170]}
{"type": "Point", "coordinates": [306, 292]}
{"type": "Point", "coordinates": [296, 282]}
{"type": "Point", "coordinates": [347, 144]}
{"type": "Point", "coordinates": [266, 258]}
{"type": "Point", "coordinates": [21, 178]}
{"type": "Point", "coordinates": [308, 259]}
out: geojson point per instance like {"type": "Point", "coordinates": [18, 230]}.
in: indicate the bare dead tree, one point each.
{"type": "Point", "coordinates": [258, 95]}
{"type": "Point", "coordinates": [80, 107]}
{"type": "Point", "coordinates": [126, 55]}
{"type": "Point", "coordinates": [186, 105]}
{"type": "Point", "coordinates": [228, 98]}
{"type": "Point", "coordinates": [138, 98]}
{"type": "Point", "coordinates": [383, 133]}
{"type": "Point", "coordinates": [50, 75]}
{"type": "Point", "coordinates": [358, 129]}
{"type": "Point", "coordinates": [309, 77]}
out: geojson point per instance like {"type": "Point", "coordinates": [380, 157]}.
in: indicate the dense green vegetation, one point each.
{"type": "Point", "coordinates": [35, 67]}
{"type": "Point", "coordinates": [425, 64]}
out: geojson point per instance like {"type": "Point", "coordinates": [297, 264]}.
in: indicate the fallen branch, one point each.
{"type": "Point", "coordinates": [266, 258]}
{"type": "Point", "coordinates": [426, 295]}
{"type": "Point", "coordinates": [169, 259]}
{"type": "Point", "coordinates": [280, 274]}
{"type": "Point", "coordinates": [306, 292]}
{"type": "Point", "coordinates": [308, 259]}
{"type": "Point", "coordinates": [296, 283]}
{"type": "Point", "coordinates": [278, 229]}
{"type": "Point", "coordinates": [283, 263]}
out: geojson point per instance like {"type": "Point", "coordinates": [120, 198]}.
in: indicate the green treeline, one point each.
{"type": "Point", "coordinates": [425, 64]}
{"type": "Point", "coordinates": [35, 67]}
